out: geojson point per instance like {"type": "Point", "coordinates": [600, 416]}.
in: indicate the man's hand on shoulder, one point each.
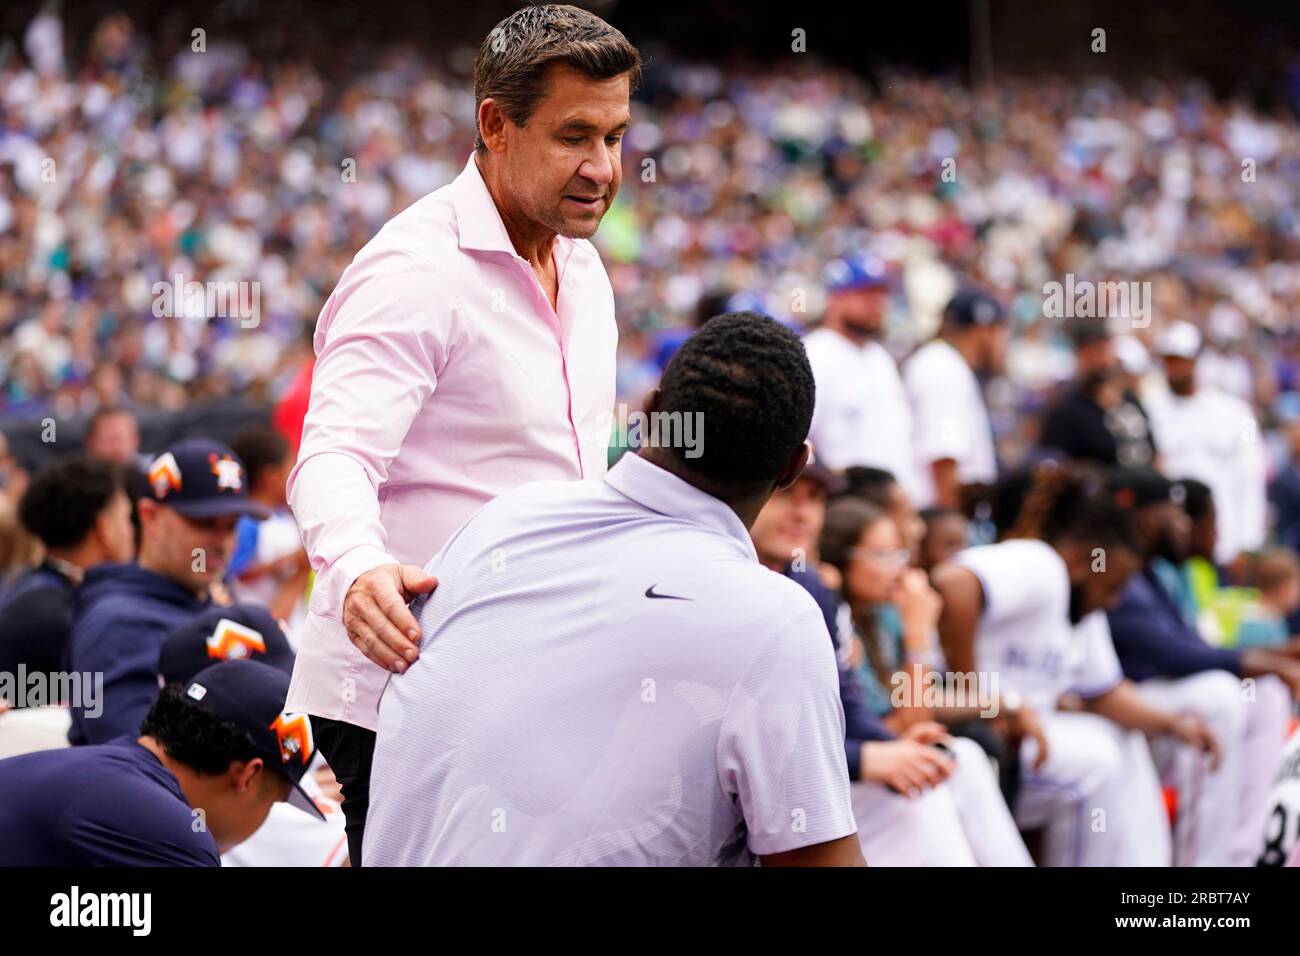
{"type": "Point", "coordinates": [376, 616]}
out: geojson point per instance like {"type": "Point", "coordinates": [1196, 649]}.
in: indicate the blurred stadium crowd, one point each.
{"type": "Point", "coordinates": [861, 210]}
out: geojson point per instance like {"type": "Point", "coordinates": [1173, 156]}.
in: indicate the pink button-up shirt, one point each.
{"type": "Point", "coordinates": [443, 378]}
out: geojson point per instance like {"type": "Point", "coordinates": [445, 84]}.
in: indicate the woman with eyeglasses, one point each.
{"type": "Point", "coordinates": [891, 610]}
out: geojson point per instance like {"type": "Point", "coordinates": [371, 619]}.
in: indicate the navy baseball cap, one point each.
{"type": "Point", "coordinates": [238, 632]}
{"type": "Point", "coordinates": [250, 695]}
{"type": "Point", "coordinates": [855, 272]}
{"type": "Point", "coordinates": [1138, 487]}
{"type": "Point", "coordinates": [202, 479]}
{"type": "Point", "coordinates": [972, 307]}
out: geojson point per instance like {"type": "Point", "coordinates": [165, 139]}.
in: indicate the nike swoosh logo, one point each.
{"type": "Point", "coordinates": [650, 593]}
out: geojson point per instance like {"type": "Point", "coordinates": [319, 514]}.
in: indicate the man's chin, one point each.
{"type": "Point", "coordinates": [579, 228]}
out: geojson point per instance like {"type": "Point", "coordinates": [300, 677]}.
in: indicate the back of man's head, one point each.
{"type": "Point", "coordinates": [746, 379]}
{"type": "Point", "coordinates": [65, 500]}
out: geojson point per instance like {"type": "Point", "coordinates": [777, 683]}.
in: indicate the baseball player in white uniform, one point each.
{"type": "Point", "coordinates": [1026, 610]}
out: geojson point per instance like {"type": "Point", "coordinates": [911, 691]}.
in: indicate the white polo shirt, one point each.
{"type": "Point", "coordinates": [950, 418]}
{"type": "Point", "coordinates": [862, 415]}
{"type": "Point", "coordinates": [609, 677]}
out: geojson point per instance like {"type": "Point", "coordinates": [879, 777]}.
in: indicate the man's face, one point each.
{"type": "Point", "coordinates": [116, 533]}
{"type": "Point", "coordinates": [789, 523]}
{"type": "Point", "coordinates": [1181, 373]}
{"type": "Point", "coordinates": [116, 439]}
{"type": "Point", "coordinates": [946, 536]}
{"type": "Point", "coordinates": [859, 311]}
{"type": "Point", "coordinates": [1100, 590]}
{"type": "Point", "coordinates": [191, 551]}
{"type": "Point", "coordinates": [992, 347]}
{"type": "Point", "coordinates": [1095, 358]}
{"type": "Point", "coordinates": [1166, 530]}
{"type": "Point", "coordinates": [244, 804]}
{"type": "Point", "coordinates": [1204, 536]}
{"type": "Point", "coordinates": [564, 167]}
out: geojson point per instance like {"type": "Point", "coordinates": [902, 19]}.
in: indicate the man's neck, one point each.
{"type": "Point", "coordinates": [189, 781]}
{"type": "Point", "coordinates": [531, 240]}
{"type": "Point", "coordinates": [964, 346]}
{"type": "Point", "coordinates": [746, 509]}
{"type": "Point", "coordinates": [73, 562]}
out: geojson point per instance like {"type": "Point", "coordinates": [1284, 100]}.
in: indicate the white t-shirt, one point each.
{"type": "Point", "coordinates": [609, 677]}
{"type": "Point", "coordinates": [1214, 438]}
{"type": "Point", "coordinates": [862, 416]}
{"type": "Point", "coordinates": [949, 417]}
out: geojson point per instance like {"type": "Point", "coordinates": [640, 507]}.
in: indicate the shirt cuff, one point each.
{"type": "Point", "coordinates": [340, 575]}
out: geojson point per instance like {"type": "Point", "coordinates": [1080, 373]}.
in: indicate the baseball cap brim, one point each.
{"type": "Point", "coordinates": [298, 798]}
{"type": "Point", "coordinates": [219, 508]}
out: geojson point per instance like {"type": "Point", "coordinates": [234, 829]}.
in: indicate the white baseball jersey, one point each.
{"type": "Point", "coordinates": [862, 416]}
{"type": "Point", "coordinates": [1282, 836]}
{"type": "Point", "coordinates": [1023, 634]}
{"type": "Point", "coordinates": [1213, 437]}
{"type": "Point", "coordinates": [949, 418]}
{"type": "Point", "coordinates": [609, 676]}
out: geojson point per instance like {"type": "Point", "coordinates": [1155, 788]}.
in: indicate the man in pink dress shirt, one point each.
{"type": "Point", "coordinates": [467, 349]}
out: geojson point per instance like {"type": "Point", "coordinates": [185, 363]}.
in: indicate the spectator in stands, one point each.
{"type": "Point", "coordinates": [1214, 437]}
{"type": "Point", "coordinates": [269, 566]}
{"type": "Point", "coordinates": [1097, 419]}
{"type": "Point", "coordinates": [113, 435]}
{"type": "Point", "coordinates": [862, 415]}
{"type": "Point", "coordinates": [125, 611]}
{"type": "Point", "coordinates": [79, 510]}
{"type": "Point", "coordinates": [1284, 492]}
{"type": "Point", "coordinates": [953, 436]}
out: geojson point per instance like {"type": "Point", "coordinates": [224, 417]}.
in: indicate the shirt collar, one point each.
{"type": "Point", "coordinates": [663, 492]}
{"type": "Point", "coordinates": [479, 222]}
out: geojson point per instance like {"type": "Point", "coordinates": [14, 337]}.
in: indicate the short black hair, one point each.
{"type": "Point", "coordinates": [259, 448]}
{"type": "Point", "coordinates": [1198, 499]}
{"type": "Point", "coordinates": [66, 497]}
{"type": "Point", "coordinates": [748, 376]}
{"type": "Point", "coordinates": [870, 484]}
{"type": "Point", "coordinates": [194, 737]}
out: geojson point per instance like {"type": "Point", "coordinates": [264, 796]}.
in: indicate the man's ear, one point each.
{"type": "Point", "coordinates": [491, 125]}
{"type": "Point", "coordinates": [794, 467]}
{"type": "Point", "coordinates": [246, 774]}
{"type": "Point", "coordinates": [651, 404]}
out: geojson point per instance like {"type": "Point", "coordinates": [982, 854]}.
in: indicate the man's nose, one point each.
{"type": "Point", "coordinates": [599, 168]}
